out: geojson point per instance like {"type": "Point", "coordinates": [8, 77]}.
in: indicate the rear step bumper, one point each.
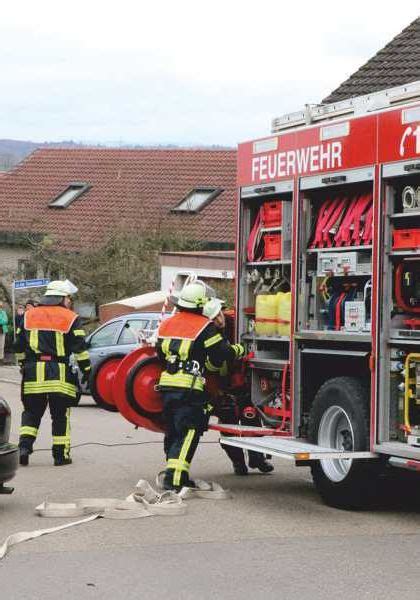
{"type": "Point", "coordinates": [291, 448]}
{"type": "Point", "coordinates": [247, 430]}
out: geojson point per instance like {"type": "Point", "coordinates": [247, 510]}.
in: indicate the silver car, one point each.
{"type": "Point", "coordinates": [120, 336]}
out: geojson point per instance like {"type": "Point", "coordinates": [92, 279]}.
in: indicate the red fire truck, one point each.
{"type": "Point", "coordinates": [328, 294]}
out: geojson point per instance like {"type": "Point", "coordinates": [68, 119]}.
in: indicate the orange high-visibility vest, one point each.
{"type": "Point", "coordinates": [183, 325]}
{"type": "Point", "coordinates": [50, 318]}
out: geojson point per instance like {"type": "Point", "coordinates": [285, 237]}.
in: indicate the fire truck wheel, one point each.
{"type": "Point", "coordinates": [108, 364]}
{"type": "Point", "coordinates": [339, 418]}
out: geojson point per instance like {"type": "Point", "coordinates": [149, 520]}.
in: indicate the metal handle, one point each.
{"type": "Point", "coordinates": [265, 190]}
{"type": "Point", "coordinates": [334, 179]}
{"type": "Point", "coordinates": [412, 167]}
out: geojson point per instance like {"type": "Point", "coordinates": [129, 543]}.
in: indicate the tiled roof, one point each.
{"type": "Point", "coordinates": [396, 64]}
{"type": "Point", "coordinates": [129, 189]}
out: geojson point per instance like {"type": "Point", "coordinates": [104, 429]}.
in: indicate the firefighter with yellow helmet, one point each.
{"type": "Point", "coordinates": [189, 343]}
{"type": "Point", "coordinates": [51, 332]}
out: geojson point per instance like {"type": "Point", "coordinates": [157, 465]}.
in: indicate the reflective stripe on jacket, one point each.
{"type": "Point", "coordinates": [187, 337]}
{"type": "Point", "coordinates": [44, 345]}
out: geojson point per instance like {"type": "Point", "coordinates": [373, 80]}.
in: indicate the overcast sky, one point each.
{"type": "Point", "coordinates": [178, 71]}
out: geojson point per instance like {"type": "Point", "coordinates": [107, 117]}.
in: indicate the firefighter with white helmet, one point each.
{"type": "Point", "coordinates": [229, 412]}
{"type": "Point", "coordinates": [51, 332]}
{"type": "Point", "coordinates": [189, 343]}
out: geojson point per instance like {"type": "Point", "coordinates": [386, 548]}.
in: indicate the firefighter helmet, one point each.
{"type": "Point", "coordinates": [193, 295]}
{"type": "Point", "coordinates": [212, 308]}
{"type": "Point", "coordinates": [61, 288]}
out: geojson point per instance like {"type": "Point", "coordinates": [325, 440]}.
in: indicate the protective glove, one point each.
{"type": "Point", "coordinates": [239, 350]}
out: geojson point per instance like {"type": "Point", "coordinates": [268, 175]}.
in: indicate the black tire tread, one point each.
{"type": "Point", "coordinates": [357, 489]}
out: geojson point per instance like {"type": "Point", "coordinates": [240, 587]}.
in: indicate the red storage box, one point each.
{"type": "Point", "coordinates": [406, 238]}
{"type": "Point", "coordinates": [271, 214]}
{"type": "Point", "coordinates": [272, 246]}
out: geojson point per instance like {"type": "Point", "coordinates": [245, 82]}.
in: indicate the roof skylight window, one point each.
{"type": "Point", "coordinates": [197, 199]}
{"type": "Point", "coordinates": [73, 191]}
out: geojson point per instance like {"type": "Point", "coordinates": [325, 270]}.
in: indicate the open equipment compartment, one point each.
{"type": "Point", "coordinates": [399, 391]}
{"type": "Point", "coordinates": [264, 295]}
{"type": "Point", "coordinates": [335, 250]}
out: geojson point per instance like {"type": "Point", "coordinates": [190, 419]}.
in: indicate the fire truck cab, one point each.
{"type": "Point", "coordinates": [328, 289]}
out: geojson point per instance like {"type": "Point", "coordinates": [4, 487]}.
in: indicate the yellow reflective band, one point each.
{"type": "Point", "coordinates": [20, 356]}
{"type": "Point", "coordinates": [62, 371]}
{"type": "Point", "coordinates": [33, 340]}
{"type": "Point", "coordinates": [67, 446]}
{"type": "Point", "coordinates": [181, 380]}
{"type": "Point", "coordinates": [59, 342]}
{"type": "Point", "coordinates": [40, 372]}
{"type": "Point", "coordinates": [82, 355]}
{"type": "Point", "coordinates": [18, 330]}
{"type": "Point", "coordinates": [60, 439]}
{"type": "Point", "coordinates": [184, 349]}
{"type": "Point", "coordinates": [53, 386]}
{"type": "Point", "coordinates": [26, 430]}
{"type": "Point", "coordinates": [175, 463]}
{"type": "Point", "coordinates": [215, 339]}
{"type": "Point", "coordinates": [79, 332]}
{"type": "Point", "coordinates": [182, 455]}
{"type": "Point", "coordinates": [165, 346]}
{"type": "Point", "coordinates": [210, 367]}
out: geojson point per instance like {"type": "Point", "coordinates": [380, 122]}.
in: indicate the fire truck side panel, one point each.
{"type": "Point", "coordinates": [346, 251]}
{"type": "Point", "coordinates": [342, 145]}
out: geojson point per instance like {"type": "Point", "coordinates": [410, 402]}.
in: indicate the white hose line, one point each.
{"type": "Point", "coordinates": [144, 501]}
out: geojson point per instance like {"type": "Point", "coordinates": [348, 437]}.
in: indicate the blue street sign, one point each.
{"type": "Point", "coordinates": [30, 283]}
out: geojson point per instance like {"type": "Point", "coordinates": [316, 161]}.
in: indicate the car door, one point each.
{"type": "Point", "coordinates": [131, 334]}
{"type": "Point", "coordinates": [103, 341]}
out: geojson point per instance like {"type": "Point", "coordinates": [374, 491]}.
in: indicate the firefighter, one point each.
{"type": "Point", "coordinates": [230, 410]}
{"type": "Point", "coordinates": [188, 343]}
{"type": "Point", "coordinates": [51, 332]}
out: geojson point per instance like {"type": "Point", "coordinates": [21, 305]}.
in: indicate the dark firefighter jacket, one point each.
{"type": "Point", "coordinates": [50, 334]}
{"type": "Point", "coordinates": [187, 337]}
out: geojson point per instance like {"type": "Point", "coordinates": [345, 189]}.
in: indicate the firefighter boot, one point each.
{"type": "Point", "coordinates": [24, 456]}
{"type": "Point", "coordinates": [60, 462]}
{"type": "Point", "coordinates": [236, 455]}
{"type": "Point", "coordinates": [258, 461]}
{"type": "Point", "coordinates": [61, 456]}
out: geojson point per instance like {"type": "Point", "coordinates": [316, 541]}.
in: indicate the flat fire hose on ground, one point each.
{"type": "Point", "coordinates": [144, 501]}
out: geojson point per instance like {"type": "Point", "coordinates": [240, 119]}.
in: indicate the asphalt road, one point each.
{"type": "Point", "coordinates": [273, 539]}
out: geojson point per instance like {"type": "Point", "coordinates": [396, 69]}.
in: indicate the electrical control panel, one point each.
{"type": "Point", "coordinates": [343, 263]}
{"type": "Point", "coordinates": [354, 316]}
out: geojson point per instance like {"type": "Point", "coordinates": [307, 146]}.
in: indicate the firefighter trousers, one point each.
{"type": "Point", "coordinates": [229, 412]}
{"type": "Point", "coordinates": [34, 408]}
{"type": "Point", "coordinates": [186, 419]}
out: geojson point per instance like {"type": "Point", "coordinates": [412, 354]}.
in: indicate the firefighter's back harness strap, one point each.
{"type": "Point", "coordinates": [144, 501]}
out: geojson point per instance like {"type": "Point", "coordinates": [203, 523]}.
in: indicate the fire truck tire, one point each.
{"type": "Point", "coordinates": [339, 418]}
{"type": "Point", "coordinates": [94, 378]}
